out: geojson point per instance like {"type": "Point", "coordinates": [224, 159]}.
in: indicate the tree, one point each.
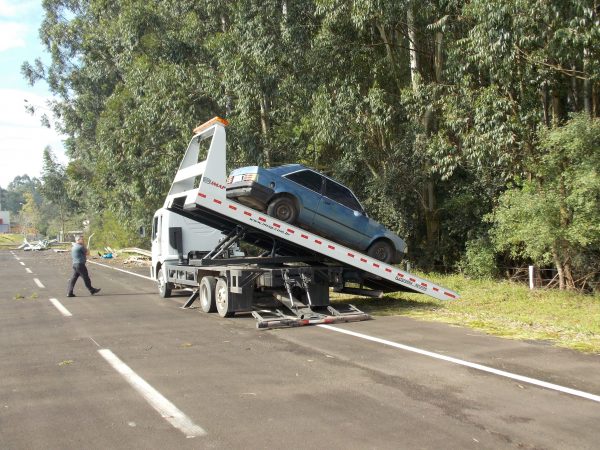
{"type": "Point", "coordinates": [555, 216]}
{"type": "Point", "coordinates": [54, 188]}
{"type": "Point", "coordinates": [29, 217]}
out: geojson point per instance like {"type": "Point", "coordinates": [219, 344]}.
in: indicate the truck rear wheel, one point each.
{"type": "Point", "coordinates": [164, 288]}
{"type": "Point", "coordinates": [207, 294]}
{"type": "Point", "coordinates": [222, 298]}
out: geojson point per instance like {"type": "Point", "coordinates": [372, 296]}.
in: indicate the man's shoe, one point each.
{"type": "Point", "coordinates": [95, 291]}
{"type": "Point", "coordinates": [71, 295]}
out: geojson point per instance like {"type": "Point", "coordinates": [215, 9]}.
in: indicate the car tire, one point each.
{"type": "Point", "coordinates": [381, 250]}
{"type": "Point", "coordinates": [284, 209]}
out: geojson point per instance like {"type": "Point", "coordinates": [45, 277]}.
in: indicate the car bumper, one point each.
{"type": "Point", "coordinates": [250, 193]}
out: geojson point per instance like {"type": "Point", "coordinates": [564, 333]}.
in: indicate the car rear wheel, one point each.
{"type": "Point", "coordinates": [381, 250]}
{"type": "Point", "coordinates": [284, 209]}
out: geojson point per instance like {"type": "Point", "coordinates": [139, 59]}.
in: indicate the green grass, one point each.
{"type": "Point", "coordinates": [10, 240]}
{"type": "Point", "coordinates": [504, 309]}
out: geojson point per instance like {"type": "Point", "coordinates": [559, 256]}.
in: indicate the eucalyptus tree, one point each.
{"type": "Point", "coordinates": [54, 189]}
{"type": "Point", "coordinates": [555, 217]}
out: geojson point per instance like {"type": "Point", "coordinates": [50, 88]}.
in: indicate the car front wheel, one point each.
{"type": "Point", "coordinates": [284, 209]}
{"type": "Point", "coordinates": [382, 250]}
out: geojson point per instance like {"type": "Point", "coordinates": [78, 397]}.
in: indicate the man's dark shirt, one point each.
{"type": "Point", "coordinates": [78, 254]}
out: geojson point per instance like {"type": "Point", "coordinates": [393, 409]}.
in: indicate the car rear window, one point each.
{"type": "Point", "coordinates": [341, 195]}
{"type": "Point", "coordinates": [307, 178]}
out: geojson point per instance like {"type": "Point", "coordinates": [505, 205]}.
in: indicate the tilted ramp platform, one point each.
{"type": "Point", "coordinates": [199, 192]}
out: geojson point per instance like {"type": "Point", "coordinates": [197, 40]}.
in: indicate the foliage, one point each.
{"type": "Point", "coordinates": [428, 113]}
{"type": "Point", "coordinates": [479, 260]}
{"type": "Point", "coordinates": [108, 231]}
{"type": "Point", "coordinates": [556, 215]}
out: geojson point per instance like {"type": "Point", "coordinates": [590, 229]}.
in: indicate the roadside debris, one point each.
{"type": "Point", "coordinates": [43, 244]}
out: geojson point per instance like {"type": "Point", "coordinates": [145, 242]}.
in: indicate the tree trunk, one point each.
{"type": "Point", "coordinates": [264, 127]}
{"type": "Point", "coordinates": [439, 56]}
{"type": "Point", "coordinates": [390, 54]}
{"type": "Point", "coordinates": [412, 46]}
{"type": "Point", "coordinates": [431, 216]}
{"type": "Point", "coordinates": [559, 269]}
{"type": "Point", "coordinates": [574, 93]}
{"type": "Point", "coordinates": [587, 84]}
{"type": "Point", "coordinates": [556, 109]}
{"type": "Point", "coordinates": [545, 107]}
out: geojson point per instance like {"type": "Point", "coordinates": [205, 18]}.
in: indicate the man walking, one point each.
{"type": "Point", "coordinates": [79, 253]}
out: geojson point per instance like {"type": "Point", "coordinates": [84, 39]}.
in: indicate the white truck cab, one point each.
{"type": "Point", "coordinates": [195, 236]}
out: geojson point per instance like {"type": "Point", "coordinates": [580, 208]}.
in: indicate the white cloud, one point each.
{"type": "Point", "coordinates": [12, 35]}
{"type": "Point", "coordinates": [10, 9]}
{"type": "Point", "coordinates": [23, 138]}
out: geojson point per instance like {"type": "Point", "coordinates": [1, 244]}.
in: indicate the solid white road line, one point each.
{"type": "Point", "coordinates": [163, 406]}
{"type": "Point", "coordinates": [28, 270]}
{"type": "Point", "coordinates": [461, 362]}
{"type": "Point", "coordinates": [39, 283]}
{"type": "Point", "coordinates": [121, 270]}
{"type": "Point", "coordinates": [22, 263]}
{"type": "Point", "coordinates": [64, 311]}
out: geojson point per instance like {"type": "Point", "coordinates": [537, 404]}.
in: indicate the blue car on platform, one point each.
{"type": "Point", "coordinates": [301, 196]}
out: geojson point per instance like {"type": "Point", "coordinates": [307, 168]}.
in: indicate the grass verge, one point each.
{"type": "Point", "coordinates": [504, 309]}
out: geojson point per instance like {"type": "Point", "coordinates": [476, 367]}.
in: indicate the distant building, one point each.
{"type": "Point", "coordinates": [4, 222]}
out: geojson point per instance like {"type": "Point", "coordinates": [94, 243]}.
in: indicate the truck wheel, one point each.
{"type": "Point", "coordinates": [284, 209]}
{"type": "Point", "coordinates": [164, 288]}
{"type": "Point", "coordinates": [381, 250]}
{"type": "Point", "coordinates": [222, 298]}
{"type": "Point", "coordinates": [207, 294]}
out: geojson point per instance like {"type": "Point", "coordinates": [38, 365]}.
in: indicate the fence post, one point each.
{"type": "Point", "coordinates": [531, 280]}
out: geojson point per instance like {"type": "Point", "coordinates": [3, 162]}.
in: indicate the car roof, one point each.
{"type": "Point", "coordinates": [287, 168]}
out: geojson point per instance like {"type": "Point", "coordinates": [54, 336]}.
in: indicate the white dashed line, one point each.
{"type": "Point", "coordinates": [22, 263]}
{"type": "Point", "coordinates": [164, 407]}
{"type": "Point", "coordinates": [64, 311]}
{"type": "Point", "coordinates": [39, 283]}
{"type": "Point", "coordinates": [28, 270]}
{"type": "Point", "coordinates": [461, 362]}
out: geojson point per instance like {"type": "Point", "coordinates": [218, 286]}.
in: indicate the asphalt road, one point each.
{"type": "Point", "coordinates": [130, 370]}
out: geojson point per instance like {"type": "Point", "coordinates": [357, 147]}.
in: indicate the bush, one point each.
{"type": "Point", "coordinates": [479, 260]}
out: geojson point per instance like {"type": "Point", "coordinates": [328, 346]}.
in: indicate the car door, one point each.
{"type": "Point", "coordinates": [341, 216]}
{"type": "Point", "coordinates": [307, 186]}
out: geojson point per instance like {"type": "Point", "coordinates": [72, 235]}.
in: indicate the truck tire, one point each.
{"type": "Point", "coordinates": [222, 298]}
{"type": "Point", "coordinates": [381, 250]}
{"type": "Point", "coordinates": [164, 288]}
{"type": "Point", "coordinates": [207, 294]}
{"type": "Point", "coordinates": [284, 209]}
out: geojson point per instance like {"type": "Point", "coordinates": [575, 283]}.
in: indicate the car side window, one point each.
{"type": "Point", "coordinates": [307, 178]}
{"type": "Point", "coordinates": [341, 195]}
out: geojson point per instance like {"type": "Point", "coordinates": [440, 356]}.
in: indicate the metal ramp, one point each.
{"type": "Point", "coordinates": [301, 316]}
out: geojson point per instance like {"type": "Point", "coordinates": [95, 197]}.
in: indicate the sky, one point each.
{"type": "Point", "coordinates": [22, 137]}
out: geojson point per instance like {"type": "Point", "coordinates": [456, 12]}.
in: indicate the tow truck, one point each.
{"type": "Point", "coordinates": [284, 274]}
